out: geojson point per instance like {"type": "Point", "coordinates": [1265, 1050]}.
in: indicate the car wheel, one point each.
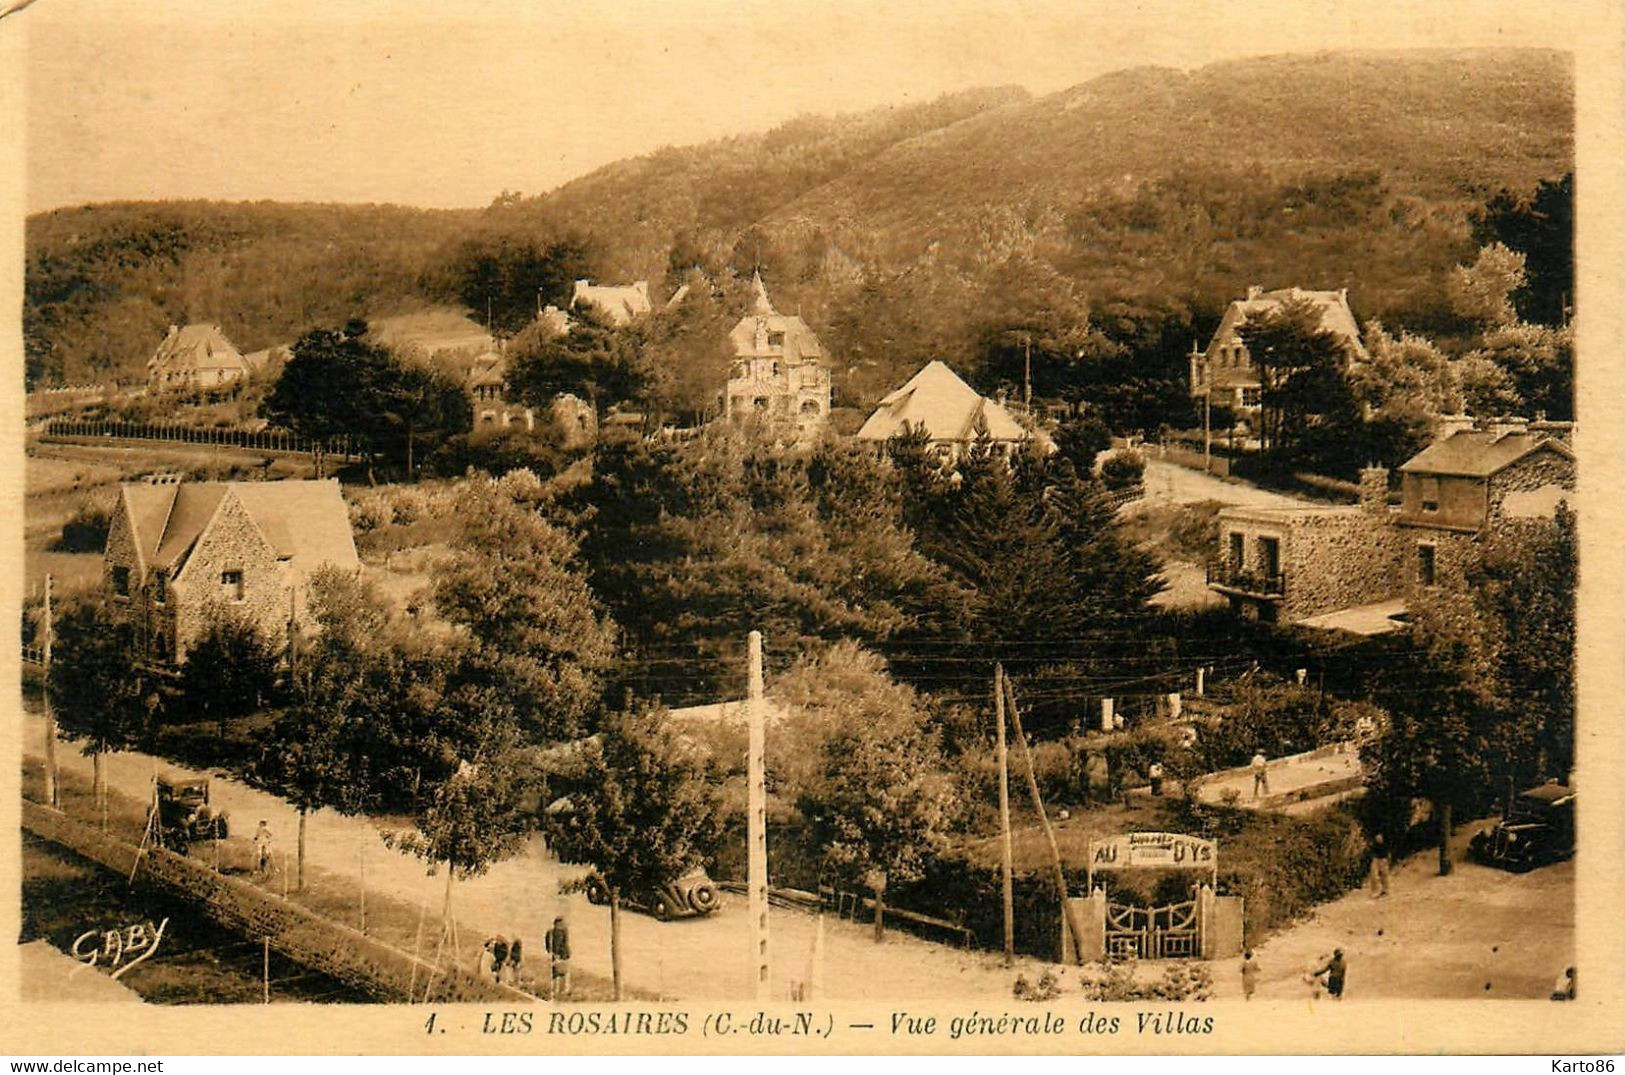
{"type": "Point", "coordinates": [662, 908]}
{"type": "Point", "coordinates": [703, 898]}
{"type": "Point", "coordinates": [596, 894]}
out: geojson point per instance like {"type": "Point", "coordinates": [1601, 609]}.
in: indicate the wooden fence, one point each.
{"type": "Point", "coordinates": [262, 440]}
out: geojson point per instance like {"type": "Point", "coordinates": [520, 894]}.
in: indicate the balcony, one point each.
{"type": "Point", "coordinates": [1226, 577]}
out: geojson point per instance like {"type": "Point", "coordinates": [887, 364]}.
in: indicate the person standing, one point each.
{"type": "Point", "coordinates": [1155, 773]}
{"type": "Point", "coordinates": [1261, 774]}
{"type": "Point", "coordinates": [558, 955]}
{"type": "Point", "coordinates": [1249, 974]}
{"type": "Point", "coordinates": [1334, 970]}
{"type": "Point", "coordinates": [262, 849]}
{"type": "Point", "coordinates": [498, 948]}
{"type": "Point", "coordinates": [516, 954]}
{"type": "Point", "coordinates": [1379, 867]}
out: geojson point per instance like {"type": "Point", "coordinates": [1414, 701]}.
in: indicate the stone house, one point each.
{"type": "Point", "coordinates": [177, 552]}
{"type": "Point", "coordinates": [487, 386]}
{"type": "Point", "coordinates": [1354, 568]}
{"type": "Point", "coordinates": [779, 373]}
{"type": "Point", "coordinates": [1471, 483]}
{"type": "Point", "coordinates": [196, 356]}
{"type": "Point", "coordinates": [1228, 372]}
{"type": "Point", "coordinates": [952, 413]}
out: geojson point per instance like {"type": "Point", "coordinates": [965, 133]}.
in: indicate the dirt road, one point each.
{"type": "Point", "coordinates": [1477, 933]}
{"type": "Point", "coordinates": [1169, 483]}
{"type": "Point", "coordinates": [691, 959]}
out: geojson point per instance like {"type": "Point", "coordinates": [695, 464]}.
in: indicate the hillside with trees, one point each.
{"type": "Point", "coordinates": [1102, 227]}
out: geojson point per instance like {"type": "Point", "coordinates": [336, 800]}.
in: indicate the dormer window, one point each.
{"type": "Point", "coordinates": [775, 339]}
{"type": "Point", "coordinates": [231, 582]}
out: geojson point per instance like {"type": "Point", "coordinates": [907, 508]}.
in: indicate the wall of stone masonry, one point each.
{"type": "Point", "coordinates": [1533, 472]}
{"type": "Point", "coordinates": [1339, 559]}
{"type": "Point", "coordinates": [233, 543]}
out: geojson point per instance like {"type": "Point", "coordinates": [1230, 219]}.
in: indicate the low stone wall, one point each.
{"type": "Point", "coordinates": [308, 939]}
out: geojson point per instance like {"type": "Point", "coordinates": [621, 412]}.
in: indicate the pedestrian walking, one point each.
{"type": "Point", "coordinates": [1334, 970]}
{"type": "Point", "coordinates": [516, 955]}
{"type": "Point", "coordinates": [497, 948]}
{"type": "Point", "coordinates": [558, 956]}
{"type": "Point", "coordinates": [262, 849]}
{"type": "Point", "coordinates": [1155, 773]}
{"type": "Point", "coordinates": [1261, 774]}
{"type": "Point", "coordinates": [1249, 974]}
{"type": "Point", "coordinates": [1379, 867]}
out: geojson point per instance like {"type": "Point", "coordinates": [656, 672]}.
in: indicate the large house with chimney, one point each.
{"type": "Point", "coordinates": [1226, 374]}
{"type": "Point", "coordinates": [179, 553]}
{"type": "Point", "coordinates": [196, 356]}
{"type": "Point", "coordinates": [779, 372]}
{"type": "Point", "coordinates": [1355, 568]}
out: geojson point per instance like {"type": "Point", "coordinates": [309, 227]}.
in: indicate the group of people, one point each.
{"type": "Point", "coordinates": [1330, 975]}
{"type": "Point", "coordinates": [507, 958]}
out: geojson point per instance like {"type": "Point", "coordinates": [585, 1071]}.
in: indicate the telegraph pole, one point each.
{"type": "Point", "coordinates": [1027, 382]}
{"type": "Point", "coordinates": [51, 795]}
{"type": "Point", "coordinates": [756, 823]}
{"type": "Point", "coordinates": [1068, 913]}
{"type": "Point", "coordinates": [1008, 883]}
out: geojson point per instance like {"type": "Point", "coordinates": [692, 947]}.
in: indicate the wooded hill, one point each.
{"type": "Point", "coordinates": [1115, 218]}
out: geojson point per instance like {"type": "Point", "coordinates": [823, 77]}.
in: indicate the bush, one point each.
{"type": "Point", "coordinates": [86, 531]}
{"type": "Point", "coordinates": [1120, 470]}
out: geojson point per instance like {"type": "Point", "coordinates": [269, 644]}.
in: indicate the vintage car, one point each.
{"type": "Point", "coordinates": [181, 813]}
{"type": "Point", "coordinates": [689, 895]}
{"type": "Point", "coordinates": [1538, 829]}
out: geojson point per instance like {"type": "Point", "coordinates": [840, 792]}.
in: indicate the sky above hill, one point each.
{"type": "Point", "coordinates": [447, 105]}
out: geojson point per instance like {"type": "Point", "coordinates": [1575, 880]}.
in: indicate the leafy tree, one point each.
{"type": "Point", "coordinates": [1482, 292]}
{"type": "Point", "coordinates": [694, 543]}
{"type": "Point", "coordinates": [1486, 680]}
{"type": "Point", "coordinates": [1540, 226]}
{"type": "Point", "coordinates": [596, 360]}
{"type": "Point", "coordinates": [512, 277]}
{"type": "Point", "coordinates": [231, 670]}
{"type": "Point", "coordinates": [1539, 362]}
{"type": "Point", "coordinates": [98, 691]}
{"type": "Point", "coordinates": [865, 769]}
{"type": "Point", "coordinates": [1486, 388]}
{"type": "Point", "coordinates": [644, 811]}
{"type": "Point", "coordinates": [1300, 367]}
{"type": "Point", "coordinates": [337, 384]}
{"type": "Point", "coordinates": [536, 630]}
{"type": "Point", "coordinates": [1406, 373]}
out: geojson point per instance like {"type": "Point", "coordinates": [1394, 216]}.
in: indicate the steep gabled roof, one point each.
{"type": "Point", "coordinates": [1333, 306]}
{"type": "Point", "coordinates": [749, 337]}
{"type": "Point", "coordinates": [1477, 453]}
{"type": "Point", "coordinates": [196, 347]}
{"type": "Point", "coordinates": [305, 522]}
{"type": "Point", "coordinates": [947, 408]}
{"type": "Point", "coordinates": [619, 304]}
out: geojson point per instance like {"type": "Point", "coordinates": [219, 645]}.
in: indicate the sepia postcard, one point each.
{"type": "Point", "coordinates": [830, 528]}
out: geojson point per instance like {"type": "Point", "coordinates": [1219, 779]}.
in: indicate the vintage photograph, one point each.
{"type": "Point", "coordinates": [602, 513]}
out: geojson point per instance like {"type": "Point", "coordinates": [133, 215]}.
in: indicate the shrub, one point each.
{"type": "Point", "coordinates": [86, 531]}
{"type": "Point", "coordinates": [1122, 469]}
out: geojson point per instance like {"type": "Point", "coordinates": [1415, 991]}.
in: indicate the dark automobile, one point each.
{"type": "Point", "coordinates": [1538, 829]}
{"type": "Point", "coordinates": [689, 895]}
{"type": "Point", "coordinates": [181, 813]}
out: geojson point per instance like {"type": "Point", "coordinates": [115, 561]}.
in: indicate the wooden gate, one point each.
{"type": "Point", "coordinates": [1167, 932]}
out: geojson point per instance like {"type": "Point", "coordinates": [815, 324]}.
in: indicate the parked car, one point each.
{"type": "Point", "coordinates": [181, 813]}
{"type": "Point", "coordinates": [1538, 829]}
{"type": "Point", "coordinates": [690, 895]}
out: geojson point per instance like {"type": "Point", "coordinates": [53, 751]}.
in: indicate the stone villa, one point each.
{"type": "Point", "coordinates": [196, 356]}
{"type": "Point", "coordinates": [178, 551]}
{"type": "Point", "coordinates": [1353, 568]}
{"type": "Point", "coordinates": [1228, 372]}
{"type": "Point", "coordinates": [779, 372]}
{"type": "Point", "coordinates": [951, 412]}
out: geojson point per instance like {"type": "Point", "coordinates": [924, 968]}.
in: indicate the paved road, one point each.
{"type": "Point", "coordinates": [693, 959]}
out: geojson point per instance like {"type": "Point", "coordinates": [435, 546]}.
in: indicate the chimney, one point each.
{"type": "Point", "coordinates": [1504, 427]}
{"type": "Point", "coordinates": [1451, 424]}
{"type": "Point", "coordinates": [1253, 291]}
{"type": "Point", "coordinates": [1374, 490]}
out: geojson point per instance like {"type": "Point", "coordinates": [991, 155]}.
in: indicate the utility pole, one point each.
{"type": "Point", "coordinates": [1067, 911]}
{"type": "Point", "coordinates": [1006, 868]}
{"type": "Point", "coordinates": [756, 823]}
{"type": "Point", "coordinates": [51, 795]}
{"type": "Point", "coordinates": [1207, 430]}
{"type": "Point", "coordinates": [1027, 390]}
